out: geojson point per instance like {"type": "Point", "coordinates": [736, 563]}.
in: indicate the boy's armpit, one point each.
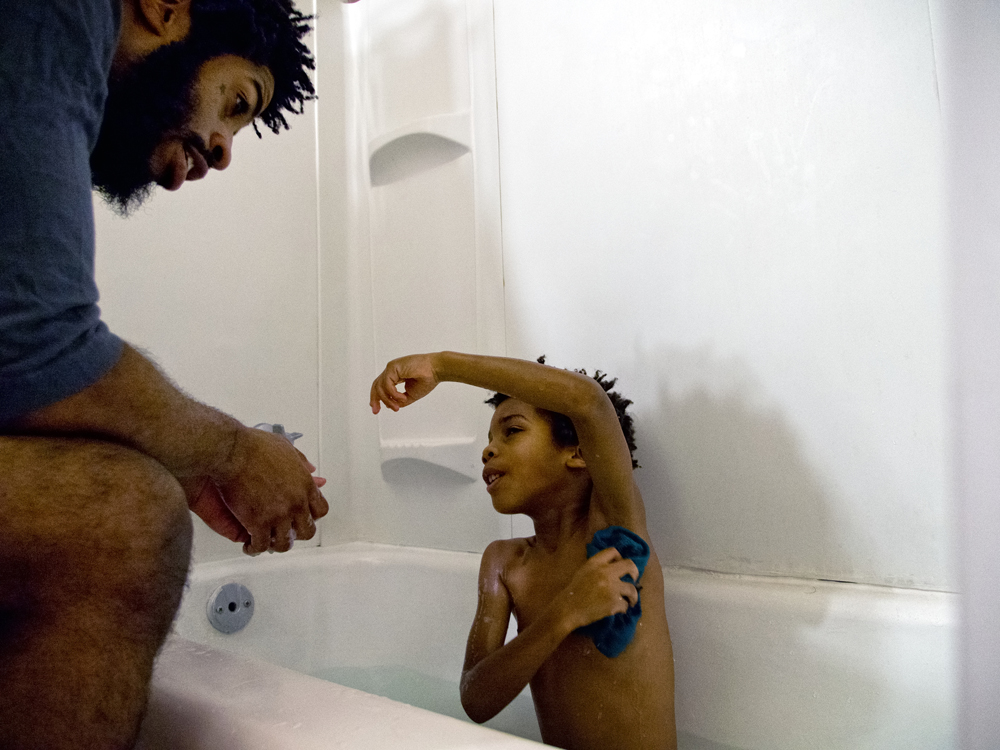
{"type": "Point", "coordinates": [625, 509]}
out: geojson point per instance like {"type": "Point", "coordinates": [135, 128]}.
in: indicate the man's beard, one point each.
{"type": "Point", "coordinates": [149, 102]}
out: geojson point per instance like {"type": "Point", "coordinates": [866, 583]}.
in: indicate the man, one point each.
{"type": "Point", "coordinates": [100, 455]}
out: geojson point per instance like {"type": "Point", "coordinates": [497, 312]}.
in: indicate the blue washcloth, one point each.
{"type": "Point", "coordinates": [613, 633]}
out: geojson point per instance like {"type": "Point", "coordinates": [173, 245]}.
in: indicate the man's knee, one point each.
{"type": "Point", "coordinates": [76, 513]}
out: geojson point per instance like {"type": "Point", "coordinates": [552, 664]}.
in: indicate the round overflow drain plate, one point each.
{"type": "Point", "coordinates": [230, 607]}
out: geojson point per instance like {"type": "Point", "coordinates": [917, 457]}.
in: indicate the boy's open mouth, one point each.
{"type": "Point", "coordinates": [490, 477]}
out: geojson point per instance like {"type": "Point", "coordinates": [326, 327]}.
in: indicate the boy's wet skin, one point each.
{"type": "Point", "coordinates": [583, 699]}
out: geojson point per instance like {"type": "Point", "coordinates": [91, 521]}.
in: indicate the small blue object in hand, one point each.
{"type": "Point", "coordinates": [613, 633]}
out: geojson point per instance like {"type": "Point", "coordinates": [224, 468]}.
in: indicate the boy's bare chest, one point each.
{"type": "Point", "coordinates": [536, 579]}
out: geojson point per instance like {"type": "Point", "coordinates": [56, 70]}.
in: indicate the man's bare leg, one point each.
{"type": "Point", "coordinates": [95, 541]}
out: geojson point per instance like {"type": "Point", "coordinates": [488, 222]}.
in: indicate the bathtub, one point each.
{"type": "Point", "coordinates": [761, 663]}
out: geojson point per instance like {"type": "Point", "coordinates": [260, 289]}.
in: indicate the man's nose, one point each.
{"type": "Point", "coordinates": [220, 147]}
{"type": "Point", "coordinates": [488, 453]}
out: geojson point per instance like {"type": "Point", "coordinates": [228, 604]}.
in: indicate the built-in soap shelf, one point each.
{"type": "Point", "coordinates": [457, 454]}
{"type": "Point", "coordinates": [418, 146]}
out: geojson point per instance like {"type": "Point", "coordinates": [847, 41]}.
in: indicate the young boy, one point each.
{"type": "Point", "coordinates": [558, 453]}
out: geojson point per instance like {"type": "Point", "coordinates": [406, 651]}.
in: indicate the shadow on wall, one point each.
{"type": "Point", "coordinates": [725, 479]}
{"type": "Point", "coordinates": [761, 663]}
{"type": "Point", "coordinates": [422, 478]}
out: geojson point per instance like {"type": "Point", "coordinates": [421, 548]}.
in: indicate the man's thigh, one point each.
{"type": "Point", "coordinates": [95, 541]}
{"type": "Point", "coordinates": [76, 511]}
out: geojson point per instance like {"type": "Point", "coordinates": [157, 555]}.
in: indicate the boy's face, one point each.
{"type": "Point", "coordinates": [522, 463]}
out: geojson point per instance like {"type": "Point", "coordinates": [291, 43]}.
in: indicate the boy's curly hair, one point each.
{"type": "Point", "coordinates": [265, 32]}
{"type": "Point", "coordinates": [563, 431]}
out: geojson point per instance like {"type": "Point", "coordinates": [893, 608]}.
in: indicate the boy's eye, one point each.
{"type": "Point", "coordinates": [512, 430]}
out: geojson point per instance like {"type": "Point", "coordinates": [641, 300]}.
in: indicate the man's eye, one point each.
{"type": "Point", "coordinates": [242, 106]}
{"type": "Point", "coordinates": [512, 430]}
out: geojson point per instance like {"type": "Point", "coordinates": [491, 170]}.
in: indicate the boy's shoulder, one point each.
{"type": "Point", "coordinates": [507, 549]}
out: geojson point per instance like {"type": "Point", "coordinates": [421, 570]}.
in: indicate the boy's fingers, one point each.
{"type": "Point", "coordinates": [633, 570]}
{"type": "Point", "coordinates": [607, 555]}
{"type": "Point", "coordinates": [630, 594]}
{"type": "Point", "coordinates": [379, 394]}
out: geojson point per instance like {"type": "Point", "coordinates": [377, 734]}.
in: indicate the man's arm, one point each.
{"type": "Point", "coordinates": [494, 673]}
{"type": "Point", "coordinates": [573, 394]}
{"type": "Point", "coordinates": [264, 481]}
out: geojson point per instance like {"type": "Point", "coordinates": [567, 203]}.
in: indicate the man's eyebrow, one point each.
{"type": "Point", "coordinates": [511, 416]}
{"type": "Point", "coordinates": [260, 100]}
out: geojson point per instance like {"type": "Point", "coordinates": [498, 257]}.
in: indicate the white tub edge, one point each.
{"type": "Point", "coordinates": [204, 697]}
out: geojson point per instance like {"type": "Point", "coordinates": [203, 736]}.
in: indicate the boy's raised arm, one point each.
{"type": "Point", "coordinates": [577, 396]}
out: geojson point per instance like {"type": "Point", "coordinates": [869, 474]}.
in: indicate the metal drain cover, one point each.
{"type": "Point", "coordinates": [230, 607]}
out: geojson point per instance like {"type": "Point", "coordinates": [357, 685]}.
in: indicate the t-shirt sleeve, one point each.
{"type": "Point", "coordinates": [54, 62]}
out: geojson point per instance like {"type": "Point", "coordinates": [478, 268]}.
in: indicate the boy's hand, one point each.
{"type": "Point", "coordinates": [415, 372]}
{"type": "Point", "coordinates": [596, 589]}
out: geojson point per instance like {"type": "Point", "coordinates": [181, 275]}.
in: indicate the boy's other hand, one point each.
{"type": "Point", "coordinates": [596, 589]}
{"type": "Point", "coordinates": [415, 372]}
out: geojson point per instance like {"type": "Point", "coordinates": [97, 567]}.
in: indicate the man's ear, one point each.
{"type": "Point", "coordinates": [575, 460]}
{"type": "Point", "coordinates": [169, 19]}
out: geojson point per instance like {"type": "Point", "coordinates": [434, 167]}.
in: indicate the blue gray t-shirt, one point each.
{"type": "Point", "coordinates": [54, 61]}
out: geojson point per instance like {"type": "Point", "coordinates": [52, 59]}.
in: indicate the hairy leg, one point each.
{"type": "Point", "coordinates": [95, 541]}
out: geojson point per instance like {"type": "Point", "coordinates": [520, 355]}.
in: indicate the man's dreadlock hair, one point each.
{"type": "Point", "coordinates": [563, 431]}
{"type": "Point", "coordinates": [265, 32]}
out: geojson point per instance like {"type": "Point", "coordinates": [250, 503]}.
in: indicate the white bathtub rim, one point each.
{"type": "Point", "coordinates": [862, 600]}
{"type": "Point", "coordinates": [205, 697]}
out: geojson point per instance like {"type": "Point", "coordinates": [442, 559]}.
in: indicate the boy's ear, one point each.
{"type": "Point", "coordinates": [169, 19]}
{"type": "Point", "coordinates": [575, 460]}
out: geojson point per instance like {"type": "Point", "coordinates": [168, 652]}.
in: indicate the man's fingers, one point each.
{"type": "Point", "coordinates": [318, 506]}
{"type": "Point", "coordinates": [258, 543]}
{"type": "Point", "coordinates": [306, 461]}
{"type": "Point", "coordinates": [282, 537]}
{"type": "Point", "coordinates": [304, 527]}
{"type": "Point", "coordinates": [206, 502]}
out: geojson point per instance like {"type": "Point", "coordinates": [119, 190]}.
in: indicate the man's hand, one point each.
{"type": "Point", "coordinates": [596, 589]}
{"type": "Point", "coordinates": [263, 496]}
{"type": "Point", "coordinates": [267, 486]}
{"type": "Point", "coordinates": [246, 484]}
{"type": "Point", "coordinates": [415, 372]}
{"type": "Point", "coordinates": [206, 501]}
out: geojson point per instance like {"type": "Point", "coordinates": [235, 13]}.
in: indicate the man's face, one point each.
{"type": "Point", "coordinates": [170, 119]}
{"type": "Point", "coordinates": [228, 94]}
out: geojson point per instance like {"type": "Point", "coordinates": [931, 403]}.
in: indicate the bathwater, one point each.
{"type": "Point", "coordinates": [411, 686]}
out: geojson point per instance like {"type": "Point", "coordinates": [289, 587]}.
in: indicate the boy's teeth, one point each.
{"type": "Point", "coordinates": [190, 161]}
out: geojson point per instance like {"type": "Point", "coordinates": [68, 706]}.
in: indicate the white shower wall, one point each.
{"type": "Point", "coordinates": [736, 207]}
